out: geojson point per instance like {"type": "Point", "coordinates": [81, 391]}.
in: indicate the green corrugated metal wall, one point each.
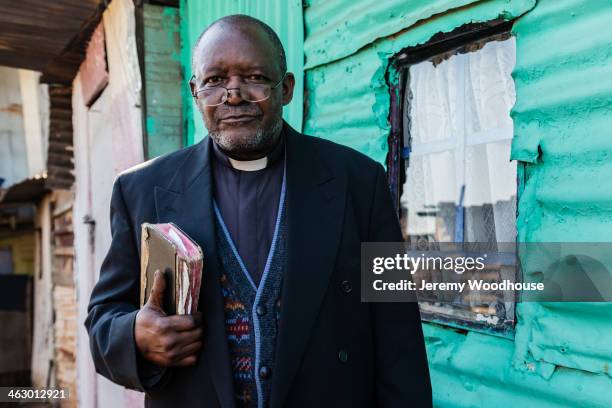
{"type": "Point", "coordinates": [162, 79]}
{"type": "Point", "coordinates": [347, 99]}
{"type": "Point", "coordinates": [285, 17]}
{"type": "Point", "coordinates": [561, 353]}
{"type": "Point", "coordinates": [563, 131]}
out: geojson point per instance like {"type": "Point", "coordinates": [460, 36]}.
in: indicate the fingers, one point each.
{"type": "Point", "coordinates": [187, 361]}
{"type": "Point", "coordinates": [175, 342]}
{"type": "Point", "coordinates": [167, 340]}
{"type": "Point", "coordinates": [156, 298]}
{"type": "Point", "coordinates": [188, 337]}
{"type": "Point", "coordinates": [182, 322]}
{"type": "Point", "coordinates": [188, 350]}
{"type": "Point", "coordinates": [182, 355]}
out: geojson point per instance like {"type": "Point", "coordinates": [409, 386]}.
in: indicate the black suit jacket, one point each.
{"type": "Point", "coordinates": [332, 350]}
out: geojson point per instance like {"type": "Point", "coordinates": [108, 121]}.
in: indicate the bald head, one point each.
{"type": "Point", "coordinates": [235, 58]}
{"type": "Point", "coordinates": [243, 23]}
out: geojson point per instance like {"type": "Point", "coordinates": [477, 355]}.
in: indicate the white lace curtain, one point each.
{"type": "Point", "coordinates": [458, 116]}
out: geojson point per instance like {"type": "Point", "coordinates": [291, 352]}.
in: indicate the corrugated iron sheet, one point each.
{"type": "Point", "coordinates": [162, 80]}
{"type": "Point", "coordinates": [562, 121]}
{"type": "Point", "coordinates": [560, 355]}
{"type": "Point", "coordinates": [347, 100]}
{"type": "Point", "coordinates": [285, 17]}
{"type": "Point", "coordinates": [58, 49]}
{"type": "Point", "coordinates": [337, 29]}
{"type": "Point", "coordinates": [30, 190]}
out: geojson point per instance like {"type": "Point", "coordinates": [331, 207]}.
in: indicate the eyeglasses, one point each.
{"type": "Point", "coordinates": [215, 95]}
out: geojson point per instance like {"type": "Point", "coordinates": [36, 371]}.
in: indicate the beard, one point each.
{"type": "Point", "coordinates": [242, 145]}
{"type": "Point", "coordinates": [259, 143]}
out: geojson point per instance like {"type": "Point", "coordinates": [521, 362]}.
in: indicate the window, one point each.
{"type": "Point", "coordinates": [458, 183]}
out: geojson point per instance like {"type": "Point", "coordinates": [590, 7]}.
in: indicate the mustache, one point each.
{"type": "Point", "coordinates": [225, 110]}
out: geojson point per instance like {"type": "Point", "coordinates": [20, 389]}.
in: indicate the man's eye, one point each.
{"type": "Point", "coordinates": [214, 80]}
{"type": "Point", "coordinates": [256, 78]}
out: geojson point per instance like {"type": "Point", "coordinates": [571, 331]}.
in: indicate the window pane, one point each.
{"type": "Point", "coordinates": [430, 200]}
{"type": "Point", "coordinates": [489, 88]}
{"type": "Point", "coordinates": [460, 183]}
{"type": "Point", "coordinates": [490, 193]}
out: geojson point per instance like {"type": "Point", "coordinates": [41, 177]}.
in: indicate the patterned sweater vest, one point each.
{"type": "Point", "coordinates": [252, 313]}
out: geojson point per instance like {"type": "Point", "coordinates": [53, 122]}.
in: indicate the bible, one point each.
{"type": "Point", "coordinates": [179, 258]}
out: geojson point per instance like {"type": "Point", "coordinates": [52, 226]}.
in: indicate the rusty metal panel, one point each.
{"type": "Point", "coordinates": [94, 73]}
{"type": "Point", "coordinates": [285, 17]}
{"type": "Point", "coordinates": [47, 36]}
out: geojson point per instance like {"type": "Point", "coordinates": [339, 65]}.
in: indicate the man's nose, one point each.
{"type": "Point", "coordinates": [234, 97]}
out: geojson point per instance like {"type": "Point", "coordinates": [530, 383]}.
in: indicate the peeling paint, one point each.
{"type": "Point", "coordinates": [561, 353]}
{"type": "Point", "coordinates": [337, 29]}
{"type": "Point", "coordinates": [348, 99]}
{"type": "Point", "coordinates": [562, 119]}
{"type": "Point", "coordinates": [476, 370]}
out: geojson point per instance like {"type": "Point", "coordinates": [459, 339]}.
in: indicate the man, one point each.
{"type": "Point", "coordinates": [280, 217]}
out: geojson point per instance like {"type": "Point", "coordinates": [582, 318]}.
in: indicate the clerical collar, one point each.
{"type": "Point", "coordinates": [251, 165]}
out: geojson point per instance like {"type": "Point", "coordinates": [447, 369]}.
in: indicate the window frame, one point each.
{"type": "Point", "coordinates": [441, 45]}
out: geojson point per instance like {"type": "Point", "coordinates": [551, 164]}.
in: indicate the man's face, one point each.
{"type": "Point", "coordinates": [231, 54]}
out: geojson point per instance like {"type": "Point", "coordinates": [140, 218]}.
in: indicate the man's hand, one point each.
{"type": "Point", "coordinates": [166, 340]}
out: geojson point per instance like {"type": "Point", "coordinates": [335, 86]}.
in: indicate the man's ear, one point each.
{"type": "Point", "coordinates": [192, 85]}
{"type": "Point", "coordinates": [288, 85]}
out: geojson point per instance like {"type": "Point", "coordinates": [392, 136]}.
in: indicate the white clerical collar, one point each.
{"type": "Point", "coordinates": [249, 165]}
{"type": "Point", "coordinates": [277, 153]}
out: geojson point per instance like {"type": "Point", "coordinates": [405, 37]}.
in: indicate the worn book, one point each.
{"type": "Point", "coordinates": [179, 258]}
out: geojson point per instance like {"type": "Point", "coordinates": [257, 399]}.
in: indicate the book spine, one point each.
{"type": "Point", "coordinates": [144, 262]}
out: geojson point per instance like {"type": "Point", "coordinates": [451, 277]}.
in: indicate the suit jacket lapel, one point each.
{"type": "Point", "coordinates": [315, 205]}
{"type": "Point", "coordinates": [187, 202]}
